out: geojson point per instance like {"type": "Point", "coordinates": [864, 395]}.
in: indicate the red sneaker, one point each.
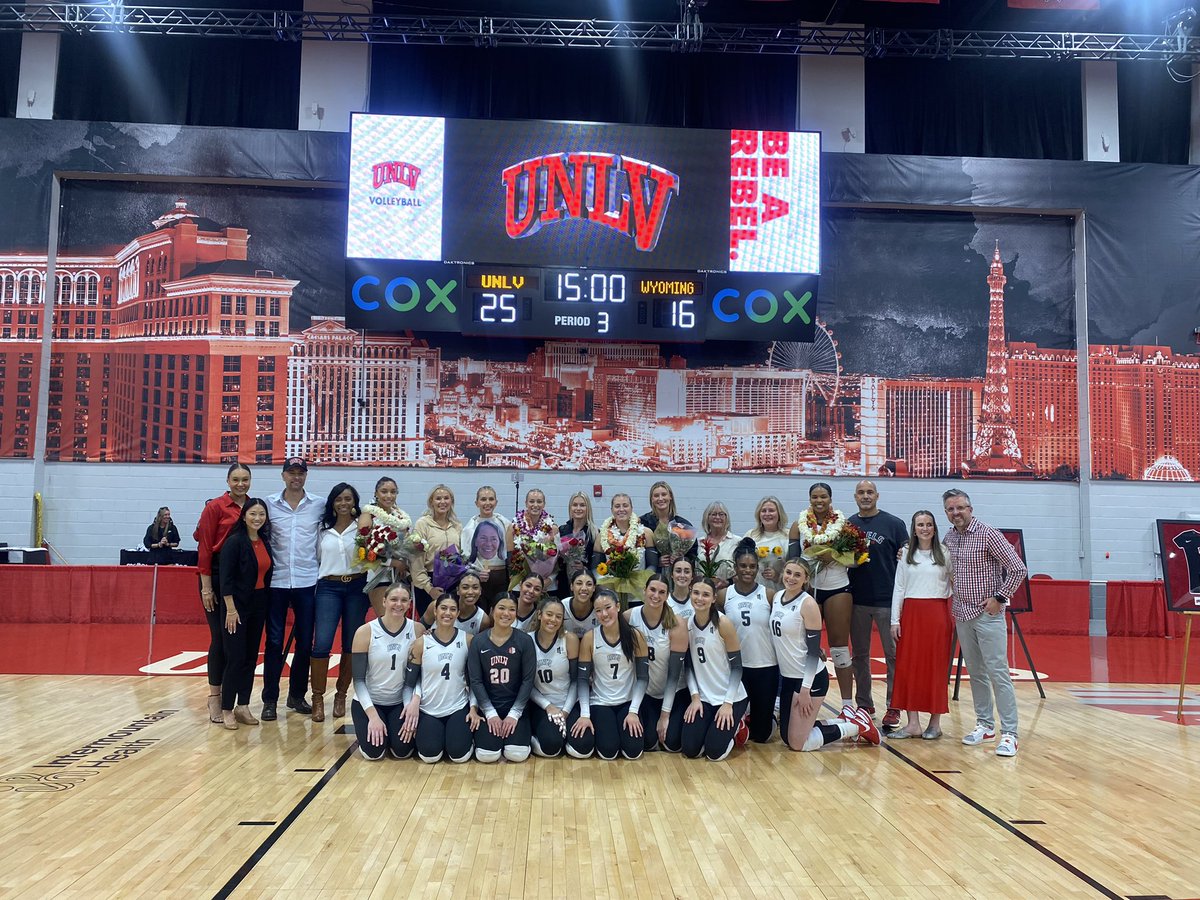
{"type": "Point", "coordinates": [891, 719]}
{"type": "Point", "coordinates": [866, 728]}
{"type": "Point", "coordinates": [743, 733]}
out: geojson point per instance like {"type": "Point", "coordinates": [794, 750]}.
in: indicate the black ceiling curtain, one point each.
{"type": "Point", "coordinates": [632, 87]}
{"type": "Point", "coordinates": [1153, 113]}
{"type": "Point", "coordinates": [10, 67]}
{"type": "Point", "coordinates": [178, 80]}
{"type": "Point", "coordinates": [1023, 109]}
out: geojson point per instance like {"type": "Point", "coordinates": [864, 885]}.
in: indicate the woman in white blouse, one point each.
{"type": "Point", "coordinates": [923, 629]}
{"type": "Point", "coordinates": [339, 598]}
{"type": "Point", "coordinates": [718, 543]}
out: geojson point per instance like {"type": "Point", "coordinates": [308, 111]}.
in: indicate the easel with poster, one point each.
{"type": "Point", "coordinates": [1179, 556]}
{"type": "Point", "coordinates": [1020, 602]}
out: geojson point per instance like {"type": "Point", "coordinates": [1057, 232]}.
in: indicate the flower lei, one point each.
{"type": "Point", "coordinates": [610, 537]}
{"type": "Point", "coordinates": [397, 519]}
{"type": "Point", "coordinates": [542, 531]}
{"type": "Point", "coordinates": [811, 533]}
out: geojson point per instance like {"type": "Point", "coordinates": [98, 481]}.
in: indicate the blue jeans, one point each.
{"type": "Point", "coordinates": [302, 602]}
{"type": "Point", "coordinates": [338, 602]}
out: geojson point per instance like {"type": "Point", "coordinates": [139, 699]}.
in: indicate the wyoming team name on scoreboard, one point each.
{"type": "Point", "coordinates": [552, 229]}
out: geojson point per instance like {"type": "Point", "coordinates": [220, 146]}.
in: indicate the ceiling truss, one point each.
{"type": "Point", "coordinates": [687, 35]}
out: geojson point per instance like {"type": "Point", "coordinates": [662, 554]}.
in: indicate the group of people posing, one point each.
{"type": "Point", "coordinates": [495, 638]}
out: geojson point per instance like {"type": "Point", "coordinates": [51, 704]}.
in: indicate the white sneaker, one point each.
{"type": "Point", "coordinates": [979, 735]}
{"type": "Point", "coordinates": [1007, 745]}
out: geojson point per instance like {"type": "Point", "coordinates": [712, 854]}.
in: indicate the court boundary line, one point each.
{"type": "Point", "coordinates": [1031, 841]}
{"type": "Point", "coordinates": [278, 831]}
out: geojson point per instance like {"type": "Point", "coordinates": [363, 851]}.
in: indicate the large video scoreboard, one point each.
{"type": "Point", "coordinates": [580, 230]}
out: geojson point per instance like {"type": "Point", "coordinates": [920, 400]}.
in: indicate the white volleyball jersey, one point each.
{"type": "Point", "coordinates": [681, 608]}
{"type": "Point", "coordinates": [473, 625]}
{"type": "Point", "coordinates": [710, 662]}
{"type": "Point", "coordinates": [528, 623]}
{"type": "Point", "coordinates": [751, 614]}
{"type": "Point", "coordinates": [658, 648]}
{"type": "Point", "coordinates": [612, 673]}
{"type": "Point", "coordinates": [787, 634]}
{"type": "Point", "coordinates": [443, 675]}
{"type": "Point", "coordinates": [553, 676]}
{"type": "Point", "coordinates": [387, 659]}
{"type": "Point", "coordinates": [578, 627]}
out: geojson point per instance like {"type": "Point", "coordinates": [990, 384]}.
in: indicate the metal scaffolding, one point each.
{"type": "Point", "coordinates": [687, 35]}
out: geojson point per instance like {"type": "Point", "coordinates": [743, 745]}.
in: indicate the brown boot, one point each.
{"type": "Point", "coordinates": [319, 677]}
{"type": "Point", "coordinates": [343, 686]}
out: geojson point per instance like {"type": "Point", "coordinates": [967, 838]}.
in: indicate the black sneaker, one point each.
{"type": "Point", "coordinates": [268, 712]}
{"type": "Point", "coordinates": [300, 705]}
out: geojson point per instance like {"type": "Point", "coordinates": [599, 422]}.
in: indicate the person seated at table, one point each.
{"type": "Point", "coordinates": [162, 533]}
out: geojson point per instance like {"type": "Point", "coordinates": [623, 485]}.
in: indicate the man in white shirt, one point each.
{"type": "Point", "coordinates": [295, 527]}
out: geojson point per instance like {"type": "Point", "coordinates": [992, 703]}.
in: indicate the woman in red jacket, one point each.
{"type": "Point", "coordinates": [216, 521]}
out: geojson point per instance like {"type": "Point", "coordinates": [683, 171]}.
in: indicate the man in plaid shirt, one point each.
{"type": "Point", "coordinates": [987, 572]}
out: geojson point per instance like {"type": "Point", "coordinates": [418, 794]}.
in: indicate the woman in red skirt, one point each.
{"type": "Point", "coordinates": [921, 614]}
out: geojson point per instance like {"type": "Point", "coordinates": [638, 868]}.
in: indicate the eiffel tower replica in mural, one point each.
{"type": "Point", "coordinates": [995, 452]}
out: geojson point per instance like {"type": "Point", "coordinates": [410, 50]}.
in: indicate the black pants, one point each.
{"type": "Point", "coordinates": [609, 737]}
{"type": "Point", "coordinates": [421, 601]}
{"type": "Point", "coordinates": [649, 712]}
{"type": "Point", "coordinates": [762, 688]}
{"type": "Point", "coordinates": [551, 741]}
{"type": "Point", "coordinates": [391, 722]}
{"type": "Point", "coordinates": [790, 687]}
{"type": "Point", "coordinates": [216, 625]}
{"type": "Point", "coordinates": [485, 740]}
{"type": "Point", "coordinates": [302, 601]}
{"type": "Point", "coordinates": [703, 736]}
{"type": "Point", "coordinates": [241, 647]}
{"type": "Point", "coordinates": [444, 735]}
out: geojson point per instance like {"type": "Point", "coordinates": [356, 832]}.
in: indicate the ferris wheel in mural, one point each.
{"type": "Point", "coordinates": [820, 357]}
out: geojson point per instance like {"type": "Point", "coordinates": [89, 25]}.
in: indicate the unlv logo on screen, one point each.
{"type": "Point", "coordinates": [395, 172]}
{"type": "Point", "coordinates": [627, 195]}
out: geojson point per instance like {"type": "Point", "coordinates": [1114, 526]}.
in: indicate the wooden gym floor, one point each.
{"type": "Point", "coordinates": [117, 786]}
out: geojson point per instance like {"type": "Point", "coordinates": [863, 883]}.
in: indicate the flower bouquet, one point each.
{"type": "Point", "coordinates": [378, 545]}
{"type": "Point", "coordinates": [674, 539]}
{"type": "Point", "coordinates": [572, 553]}
{"type": "Point", "coordinates": [838, 540]}
{"type": "Point", "coordinates": [619, 572]}
{"type": "Point", "coordinates": [537, 557]}
{"type": "Point", "coordinates": [707, 563]}
{"type": "Point", "coordinates": [414, 548]}
{"type": "Point", "coordinates": [770, 557]}
{"type": "Point", "coordinates": [448, 567]}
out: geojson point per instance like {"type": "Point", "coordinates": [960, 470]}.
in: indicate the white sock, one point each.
{"type": "Point", "coordinates": [848, 729]}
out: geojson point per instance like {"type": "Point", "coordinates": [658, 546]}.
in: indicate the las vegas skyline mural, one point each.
{"type": "Point", "coordinates": [199, 332]}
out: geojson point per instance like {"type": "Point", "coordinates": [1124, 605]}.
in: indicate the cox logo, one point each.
{"type": "Point", "coordinates": [403, 294]}
{"type": "Point", "coordinates": [760, 306]}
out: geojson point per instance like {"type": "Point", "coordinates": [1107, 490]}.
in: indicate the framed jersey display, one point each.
{"type": "Point", "coordinates": [1022, 600]}
{"type": "Point", "coordinates": [1179, 555]}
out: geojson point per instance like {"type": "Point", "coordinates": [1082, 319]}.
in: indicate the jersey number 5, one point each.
{"type": "Point", "coordinates": [745, 617]}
